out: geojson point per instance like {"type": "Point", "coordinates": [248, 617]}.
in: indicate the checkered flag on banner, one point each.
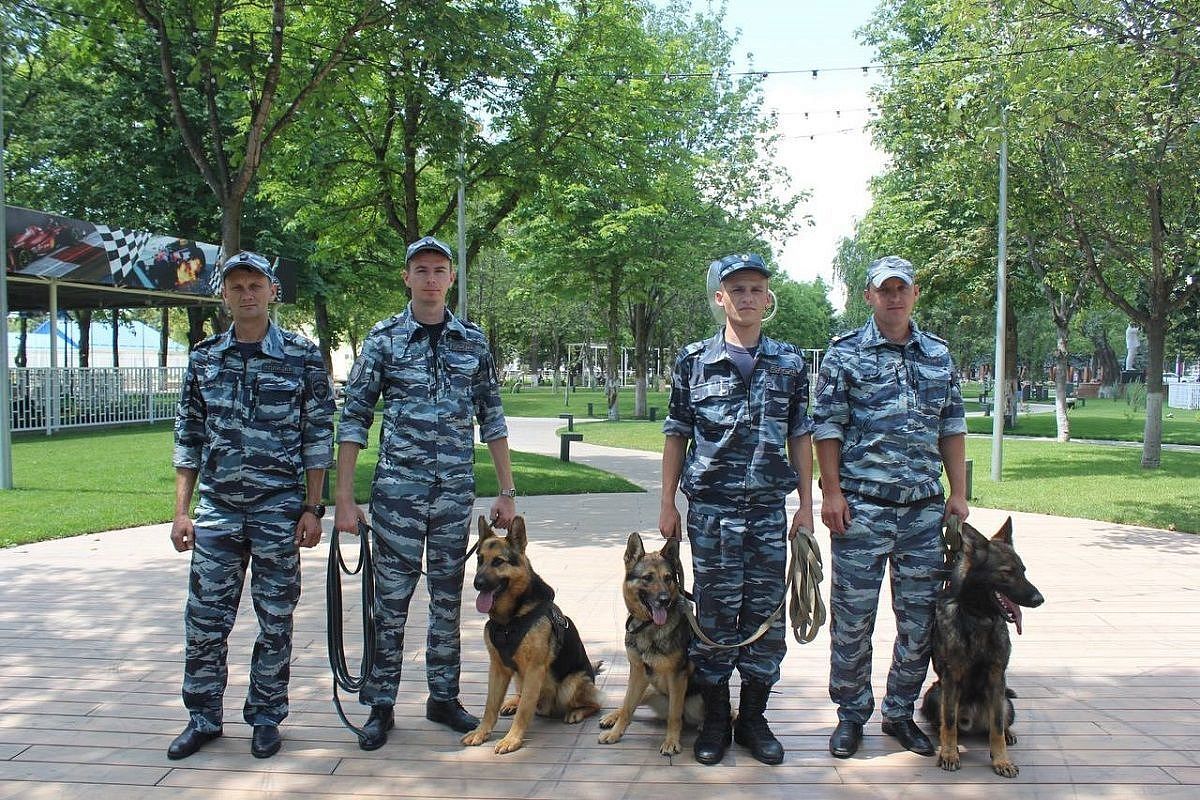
{"type": "Point", "coordinates": [123, 248]}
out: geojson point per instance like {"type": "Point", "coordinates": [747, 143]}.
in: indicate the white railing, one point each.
{"type": "Point", "coordinates": [75, 397]}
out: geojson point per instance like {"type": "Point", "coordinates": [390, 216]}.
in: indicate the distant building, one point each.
{"type": "Point", "coordinates": [137, 345]}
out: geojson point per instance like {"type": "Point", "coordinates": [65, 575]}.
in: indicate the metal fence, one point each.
{"type": "Point", "coordinates": [75, 397]}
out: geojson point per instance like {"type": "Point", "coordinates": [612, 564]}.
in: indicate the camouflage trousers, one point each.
{"type": "Point", "coordinates": [738, 558]}
{"type": "Point", "coordinates": [908, 538]}
{"type": "Point", "coordinates": [226, 543]}
{"type": "Point", "coordinates": [408, 519]}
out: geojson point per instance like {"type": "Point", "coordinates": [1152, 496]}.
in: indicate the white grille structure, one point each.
{"type": "Point", "coordinates": [74, 397]}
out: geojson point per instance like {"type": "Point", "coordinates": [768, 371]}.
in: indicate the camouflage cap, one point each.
{"type": "Point", "coordinates": [246, 260]}
{"type": "Point", "coordinates": [737, 262]}
{"type": "Point", "coordinates": [890, 267]}
{"type": "Point", "coordinates": [428, 243]}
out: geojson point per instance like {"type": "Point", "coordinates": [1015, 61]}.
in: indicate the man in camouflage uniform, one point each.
{"type": "Point", "coordinates": [741, 400]}
{"type": "Point", "coordinates": [888, 417]}
{"type": "Point", "coordinates": [434, 373]}
{"type": "Point", "coordinates": [255, 428]}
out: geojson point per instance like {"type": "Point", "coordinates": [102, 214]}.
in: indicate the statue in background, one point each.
{"type": "Point", "coordinates": [1132, 343]}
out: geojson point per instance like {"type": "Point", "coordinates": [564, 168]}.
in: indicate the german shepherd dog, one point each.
{"type": "Point", "coordinates": [971, 647]}
{"type": "Point", "coordinates": [528, 635]}
{"type": "Point", "coordinates": [656, 641]}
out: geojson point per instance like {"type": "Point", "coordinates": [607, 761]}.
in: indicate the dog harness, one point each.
{"type": "Point", "coordinates": [570, 655]}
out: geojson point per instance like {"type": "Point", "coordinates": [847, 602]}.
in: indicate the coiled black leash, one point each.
{"type": "Point", "coordinates": [333, 606]}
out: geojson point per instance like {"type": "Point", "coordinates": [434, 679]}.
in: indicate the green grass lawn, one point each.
{"type": "Point", "coordinates": [1070, 480]}
{"type": "Point", "coordinates": [1102, 419]}
{"type": "Point", "coordinates": [81, 482]}
{"type": "Point", "coordinates": [544, 402]}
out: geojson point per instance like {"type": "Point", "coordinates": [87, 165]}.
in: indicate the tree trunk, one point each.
{"type": "Point", "coordinates": [164, 336]}
{"type": "Point", "coordinates": [641, 358]}
{"type": "Point", "coordinates": [116, 337]}
{"type": "Point", "coordinates": [321, 318]}
{"type": "Point", "coordinates": [1061, 366]}
{"type": "Point", "coordinates": [21, 359]}
{"type": "Point", "coordinates": [612, 369]}
{"type": "Point", "coordinates": [84, 318]}
{"type": "Point", "coordinates": [1152, 433]}
{"type": "Point", "coordinates": [196, 316]}
{"type": "Point", "coordinates": [231, 226]}
{"type": "Point", "coordinates": [1010, 361]}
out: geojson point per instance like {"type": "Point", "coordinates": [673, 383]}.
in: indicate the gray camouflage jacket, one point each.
{"type": "Point", "coordinates": [738, 431]}
{"type": "Point", "coordinates": [251, 427]}
{"type": "Point", "coordinates": [428, 402]}
{"type": "Point", "coordinates": [889, 405]}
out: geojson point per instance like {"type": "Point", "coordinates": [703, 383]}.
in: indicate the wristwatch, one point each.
{"type": "Point", "coordinates": [317, 510]}
{"type": "Point", "coordinates": [511, 493]}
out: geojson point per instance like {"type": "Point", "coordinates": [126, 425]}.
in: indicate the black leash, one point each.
{"type": "Point", "coordinates": [333, 605]}
{"type": "Point", "coordinates": [335, 637]}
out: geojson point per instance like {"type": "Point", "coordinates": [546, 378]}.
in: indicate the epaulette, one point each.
{"type": "Point", "coordinates": [384, 324]}
{"type": "Point", "coordinates": [936, 338]}
{"type": "Point", "coordinates": [841, 337]}
{"type": "Point", "coordinates": [695, 347]}
{"type": "Point", "coordinates": [207, 342]}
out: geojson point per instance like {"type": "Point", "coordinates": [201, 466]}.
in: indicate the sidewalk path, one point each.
{"type": "Point", "coordinates": [1107, 673]}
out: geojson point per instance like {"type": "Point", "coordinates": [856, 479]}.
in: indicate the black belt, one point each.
{"type": "Point", "coordinates": [883, 501]}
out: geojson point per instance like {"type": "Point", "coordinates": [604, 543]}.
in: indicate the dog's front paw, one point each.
{"type": "Point", "coordinates": [949, 760]}
{"type": "Point", "coordinates": [510, 706]}
{"type": "Point", "coordinates": [475, 737]}
{"type": "Point", "coordinates": [1010, 737]}
{"type": "Point", "coordinates": [670, 747]}
{"type": "Point", "coordinates": [612, 737]}
{"type": "Point", "coordinates": [610, 719]}
{"type": "Point", "coordinates": [1005, 768]}
{"type": "Point", "coordinates": [508, 744]}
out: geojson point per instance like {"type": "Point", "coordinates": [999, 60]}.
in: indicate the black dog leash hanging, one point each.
{"type": "Point", "coordinates": [333, 605]}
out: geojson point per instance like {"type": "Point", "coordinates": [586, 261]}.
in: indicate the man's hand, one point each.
{"type": "Point", "coordinates": [803, 518]}
{"type": "Point", "coordinates": [183, 533]}
{"type": "Point", "coordinates": [347, 515]}
{"type": "Point", "coordinates": [670, 524]}
{"type": "Point", "coordinates": [835, 513]}
{"type": "Point", "coordinates": [308, 530]}
{"type": "Point", "coordinates": [504, 508]}
{"type": "Point", "coordinates": [956, 505]}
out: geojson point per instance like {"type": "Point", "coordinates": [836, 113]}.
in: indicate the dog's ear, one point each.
{"type": "Point", "coordinates": [485, 530]}
{"type": "Point", "coordinates": [670, 553]}
{"type": "Point", "coordinates": [972, 540]}
{"type": "Point", "coordinates": [516, 534]}
{"type": "Point", "coordinates": [1005, 533]}
{"type": "Point", "coordinates": [634, 549]}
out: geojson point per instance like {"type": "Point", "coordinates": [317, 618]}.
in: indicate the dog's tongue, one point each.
{"type": "Point", "coordinates": [659, 615]}
{"type": "Point", "coordinates": [483, 603]}
{"type": "Point", "coordinates": [1013, 609]}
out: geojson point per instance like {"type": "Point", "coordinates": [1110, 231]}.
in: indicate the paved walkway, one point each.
{"type": "Point", "coordinates": [1107, 672]}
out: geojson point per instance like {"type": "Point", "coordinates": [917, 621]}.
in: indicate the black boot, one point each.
{"type": "Point", "coordinates": [751, 729]}
{"type": "Point", "coordinates": [715, 735]}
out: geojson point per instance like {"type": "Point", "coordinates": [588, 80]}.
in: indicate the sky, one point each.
{"type": "Point", "coordinates": [836, 164]}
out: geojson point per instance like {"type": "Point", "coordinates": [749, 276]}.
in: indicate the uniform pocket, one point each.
{"type": "Point", "coordinates": [933, 383]}
{"type": "Point", "coordinates": [778, 396]}
{"type": "Point", "coordinates": [275, 397]}
{"type": "Point", "coordinates": [461, 367]}
{"type": "Point", "coordinates": [713, 403]}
